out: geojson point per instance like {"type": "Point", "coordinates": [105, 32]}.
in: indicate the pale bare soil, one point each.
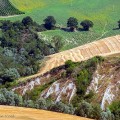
{"type": "Point", "coordinates": [19, 113]}
{"type": "Point", "coordinates": [103, 47]}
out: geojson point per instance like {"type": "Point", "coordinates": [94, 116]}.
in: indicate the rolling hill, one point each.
{"type": "Point", "coordinates": [103, 47]}
{"type": "Point", "coordinates": [19, 113]}
{"type": "Point", "coordinates": [105, 82]}
{"type": "Point", "coordinates": [103, 13]}
{"type": "Point", "coordinates": [7, 9]}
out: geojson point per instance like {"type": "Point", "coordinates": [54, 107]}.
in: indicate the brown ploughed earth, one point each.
{"type": "Point", "coordinates": [19, 113]}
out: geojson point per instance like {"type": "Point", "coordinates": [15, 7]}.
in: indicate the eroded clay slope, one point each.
{"type": "Point", "coordinates": [105, 83]}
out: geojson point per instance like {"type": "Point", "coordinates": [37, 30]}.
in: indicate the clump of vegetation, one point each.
{"type": "Point", "coordinates": [72, 23]}
{"type": "Point", "coordinates": [115, 109]}
{"type": "Point", "coordinates": [86, 24]}
{"type": "Point", "coordinates": [50, 23]}
{"type": "Point", "coordinates": [21, 49]}
{"type": "Point", "coordinates": [10, 98]}
{"type": "Point", "coordinates": [82, 73]}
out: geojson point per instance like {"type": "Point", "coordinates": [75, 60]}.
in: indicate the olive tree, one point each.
{"type": "Point", "coordinates": [86, 24]}
{"type": "Point", "coordinates": [49, 22]}
{"type": "Point", "coordinates": [72, 23]}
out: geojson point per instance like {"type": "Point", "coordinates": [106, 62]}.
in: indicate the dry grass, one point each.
{"type": "Point", "coordinates": [18, 113]}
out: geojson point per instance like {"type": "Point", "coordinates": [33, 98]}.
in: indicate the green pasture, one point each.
{"type": "Point", "coordinates": [104, 14]}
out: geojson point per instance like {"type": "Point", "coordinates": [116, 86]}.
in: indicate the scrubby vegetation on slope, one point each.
{"type": "Point", "coordinates": [82, 75]}
{"type": "Point", "coordinates": [7, 9]}
{"type": "Point", "coordinates": [21, 49]}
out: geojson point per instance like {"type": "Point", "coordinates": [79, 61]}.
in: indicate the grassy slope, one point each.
{"type": "Point", "coordinates": [104, 14]}
{"type": "Point", "coordinates": [6, 8]}
{"type": "Point", "coordinates": [17, 113]}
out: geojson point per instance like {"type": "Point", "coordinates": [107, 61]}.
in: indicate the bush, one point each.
{"type": "Point", "coordinates": [57, 43]}
{"type": "Point", "coordinates": [61, 107]}
{"type": "Point", "coordinates": [72, 23]}
{"type": "Point", "coordinates": [86, 24]}
{"type": "Point", "coordinates": [107, 115]}
{"type": "Point", "coordinates": [11, 74]}
{"type": "Point", "coordinates": [27, 21]}
{"type": "Point", "coordinates": [50, 22]}
{"type": "Point", "coordinates": [29, 103]}
{"type": "Point", "coordinates": [84, 109]}
{"type": "Point", "coordinates": [115, 109]}
{"type": "Point", "coordinates": [10, 98]}
{"type": "Point", "coordinates": [41, 104]}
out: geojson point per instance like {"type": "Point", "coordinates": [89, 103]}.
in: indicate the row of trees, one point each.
{"type": "Point", "coordinates": [72, 23]}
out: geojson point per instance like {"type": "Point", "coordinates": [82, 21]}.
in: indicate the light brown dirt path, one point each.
{"type": "Point", "coordinates": [17, 113]}
{"type": "Point", "coordinates": [103, 47]}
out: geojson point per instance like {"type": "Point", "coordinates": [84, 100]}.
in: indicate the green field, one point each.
{"type": "Point", "coordinates": [104, 14]}
{"type": "Point", "coordinates": [6, 8]}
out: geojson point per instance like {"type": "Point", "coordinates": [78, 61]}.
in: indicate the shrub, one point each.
{"type": "Point", "coordinates": [49, 22]}
{"type": "Point", "coordinates": [61, 107]}
{"type": "Point", "coordinates": [115, 109]}
{"type": "Point", "coordinates": [57, 43]}
{"type": "Point", "coordinates": [27, 21]}
{"type": "Point", "coordinates": [11, 74]}
{"type": "Point", "coordinates": [10, 98]}
{"type": "Point", "coordinates": [107, 115]}
{"type": "Point", "coordinates": [72, 23]}
{"type": "Point", "coordinates": [41, 104]}
{"type": "Point", "coordinates": [86, 24]}
{"type": "Point", "coordinates": [84, 109]}
{"type": "Point", "coordinates": [29, 103]}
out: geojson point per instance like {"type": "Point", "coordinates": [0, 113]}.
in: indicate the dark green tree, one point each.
{"type": "Point", "coordinates": [86, 24]}
{"type": "Point", "coordinates": [72, 23]}
{"type": "Point", "coordinates": [49, 22]}
{"type": "Point", "coordinates": [27, 21]}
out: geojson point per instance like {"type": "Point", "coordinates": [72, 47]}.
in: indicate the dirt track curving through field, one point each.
{"type": "Point", "coordinates": [19, 113]}
{"type": "Point", "coordinates": [103, 47]}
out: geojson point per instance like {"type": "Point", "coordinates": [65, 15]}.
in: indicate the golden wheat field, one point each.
{"type": "Point", "coordinates": [103, 47]}
{"type": "Point", "coordinates": [107, 46]}
{"type": "Point", "coordinates": [19, 113]}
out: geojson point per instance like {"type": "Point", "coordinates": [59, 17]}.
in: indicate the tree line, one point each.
{"type": "Point", "coordinates": [72, 24]}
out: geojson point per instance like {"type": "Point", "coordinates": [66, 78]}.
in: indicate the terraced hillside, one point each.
{"type": "Point", "coordinates": [17, 113]}
{"type": "Point", "coordinates": [107, 46]}
{"type": "Point", "coordinates": [7, 9]}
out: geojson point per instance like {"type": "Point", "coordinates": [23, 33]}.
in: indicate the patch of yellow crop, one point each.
{"type": "Point", "coordinates": [25, 5]}
{"type": "Point", "coordinates": [19, 113]}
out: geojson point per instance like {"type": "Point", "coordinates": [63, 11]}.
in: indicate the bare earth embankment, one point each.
{"type": "Point", "coordinates": [19, 113]}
